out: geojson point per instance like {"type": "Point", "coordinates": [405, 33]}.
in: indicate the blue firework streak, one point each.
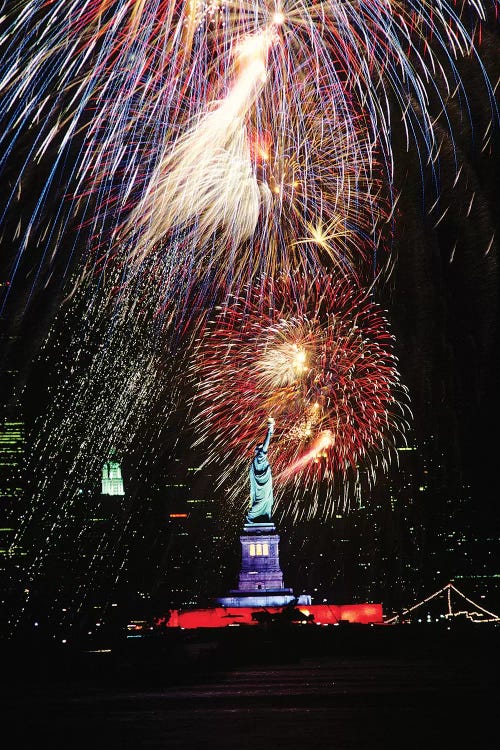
{"type": "Point", "coordinates": [116, 98]}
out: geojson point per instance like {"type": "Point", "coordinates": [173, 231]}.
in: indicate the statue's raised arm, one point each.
{"type": "Point", "coordinates": [270, 430]}
{"type": "Point", "coordinates": [261, 482]}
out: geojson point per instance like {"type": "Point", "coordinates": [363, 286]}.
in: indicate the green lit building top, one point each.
{"type": "Point", "coordinates": [112, 481]}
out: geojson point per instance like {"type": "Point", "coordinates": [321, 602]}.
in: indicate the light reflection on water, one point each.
{"type": "Point", "coordinates": [317, 703]}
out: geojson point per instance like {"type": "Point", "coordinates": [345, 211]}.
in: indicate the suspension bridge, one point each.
{"type": "Point", "coordinates": [457, 605]}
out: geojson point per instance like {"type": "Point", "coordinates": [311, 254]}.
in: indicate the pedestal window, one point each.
{"type": "Point", "coordinates": [259, 549]}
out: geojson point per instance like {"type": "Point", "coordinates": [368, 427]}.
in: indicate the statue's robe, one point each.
{"type": "Point", "coordinates": [261, 488]}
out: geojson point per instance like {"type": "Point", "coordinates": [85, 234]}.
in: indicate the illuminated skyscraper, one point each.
{"type": "Point", "coordinates": [178, 551]}
{"type": "Point", "coordinates": [112, 481]}
{"type": "Point", "coordinates": [12, 450]}
{"type": "Point", "coordinates": [12, 433]}
{"type": "Point", "coordinates": [12, 455]}
{"type": "Point", "coordinates": [12, 472]}
{"type": "Point", "coordinates": [95, 554]}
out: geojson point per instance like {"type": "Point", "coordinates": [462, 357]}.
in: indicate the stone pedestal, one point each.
{"type": "Point", "coordinates": [260, 582]}
{"type": "Point", "coordinates": [260, 563]}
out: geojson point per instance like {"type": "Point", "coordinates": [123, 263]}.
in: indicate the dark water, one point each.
{"type": "Point", "coordinates": [317, 702]}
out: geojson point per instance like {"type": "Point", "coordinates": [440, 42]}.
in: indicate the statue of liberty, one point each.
{"type": "Point", "coordinates": [261, 482]}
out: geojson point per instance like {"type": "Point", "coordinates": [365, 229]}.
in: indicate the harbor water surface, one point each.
{"type": "Point", "coordinates": [445, 699]}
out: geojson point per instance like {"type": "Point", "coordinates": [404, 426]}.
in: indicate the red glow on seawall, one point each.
{"type": "Point", "coordinates": [324, 614]}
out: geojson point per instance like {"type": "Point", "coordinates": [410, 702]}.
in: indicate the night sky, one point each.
{"type": "Point", "coordinates": [442, 304]}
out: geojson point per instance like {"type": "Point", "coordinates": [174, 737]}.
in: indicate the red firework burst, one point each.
{"type": "Point", "coordinates": [316, 355]}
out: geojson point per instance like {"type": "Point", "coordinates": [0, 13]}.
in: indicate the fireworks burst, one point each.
{"type": "Point", "coordinates": [195, 126]}
{"type": "Point", "coordinates": [316, 356]}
